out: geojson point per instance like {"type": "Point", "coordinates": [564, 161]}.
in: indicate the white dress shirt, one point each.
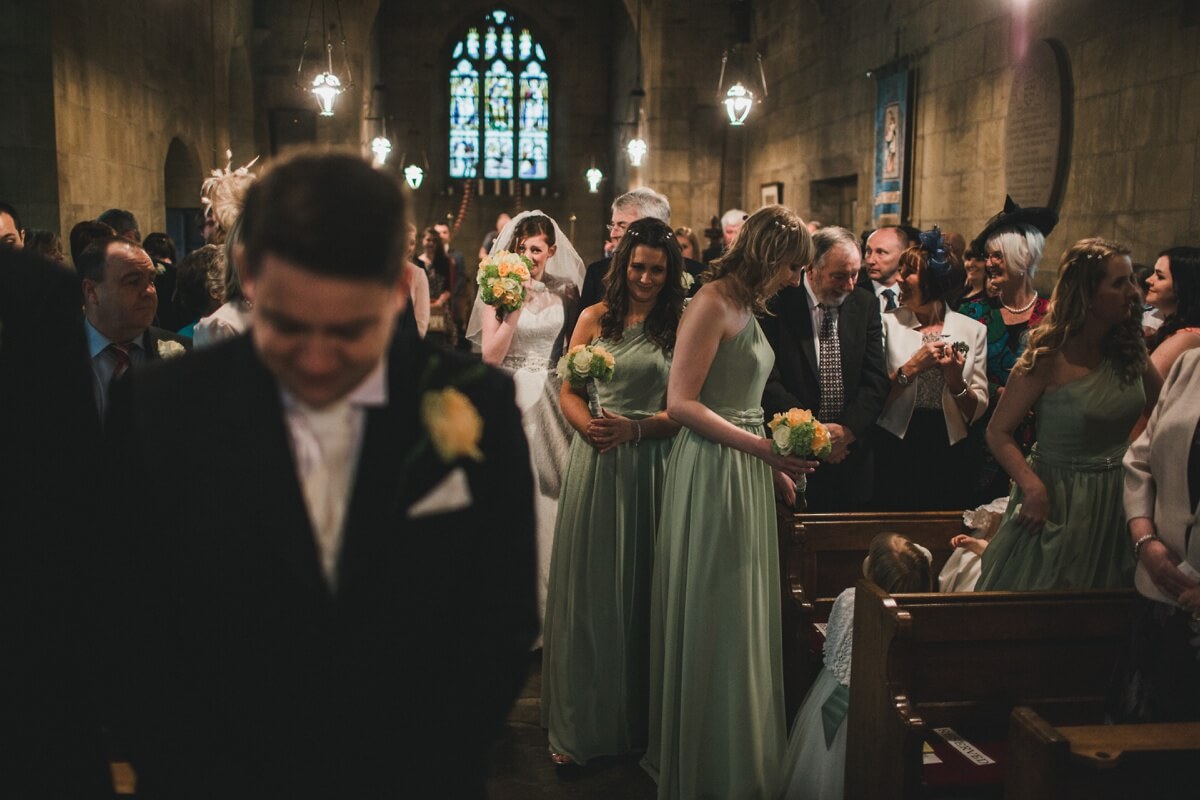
{"type": "Point", "coordinates": [326, 443]}
{"type": "Point", "coordinates": [879, 289]}
{"type": "Point", "coordinates": [817, 315]}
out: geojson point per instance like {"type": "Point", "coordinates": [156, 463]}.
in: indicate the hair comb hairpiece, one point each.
{"type": "Point", "coordinates": [790, 228]}
{"type": "Point", "coordinates": [935, 247]}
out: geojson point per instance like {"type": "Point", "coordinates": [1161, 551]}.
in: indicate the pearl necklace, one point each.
{"type": "Point", "coordinates": [1021, 310]}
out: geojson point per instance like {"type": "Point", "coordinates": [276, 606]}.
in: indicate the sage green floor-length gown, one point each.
{"type": "Point", "coordinates": [1082, 434]}
{"type": "Point", "coordinates": [717, 727]}
{"type": "Point", "coordinates": [596, 661]}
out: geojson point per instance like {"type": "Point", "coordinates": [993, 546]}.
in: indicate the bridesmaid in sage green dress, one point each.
{"type": "Point", "coordinates": [1086, 372]}
{"type": "Point", "coordinates": [596, 657]}
{"type": "Point", "coordinates": [717, 726]}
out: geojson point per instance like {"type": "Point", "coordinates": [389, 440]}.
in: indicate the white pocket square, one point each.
{"type": "Point", "coordinates": [451, 494]}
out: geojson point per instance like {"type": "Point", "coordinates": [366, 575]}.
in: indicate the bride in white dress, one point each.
{"type": "Point", "coordinates": [527, 343]}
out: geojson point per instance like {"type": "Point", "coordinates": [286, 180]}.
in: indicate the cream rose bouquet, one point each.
{"type": "Point", "coordinates": [796, 432]}
{"type": "Point", "coordinates": [582, 366]}
{"type": "Point", "coordinates": [501, 278]}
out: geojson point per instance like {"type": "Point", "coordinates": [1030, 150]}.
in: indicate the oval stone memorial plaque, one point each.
{"type": "Point", "coordinates": [1037, 131]}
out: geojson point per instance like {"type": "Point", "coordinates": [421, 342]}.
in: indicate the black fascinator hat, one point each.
{"type": "Point", "coordinates": [1043, 219]}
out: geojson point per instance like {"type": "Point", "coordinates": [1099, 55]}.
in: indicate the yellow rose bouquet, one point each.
{"type": "Point", "coordinates": [582, 366]}
{"type": "Point", "coordinates": [796, 432]}
{"type": "Point", "coordinates": [501, 278]}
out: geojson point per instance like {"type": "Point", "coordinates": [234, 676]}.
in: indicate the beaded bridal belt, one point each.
{"type": "Point", "coordinates": [1097, 464]}
{"type": "Point", "coordinates": [522, 362]}
{"type": "Point", "coordinates": [746, 417]}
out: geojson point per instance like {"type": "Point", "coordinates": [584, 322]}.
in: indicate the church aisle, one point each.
{"type": "Point", "coordinates": [520, 766]}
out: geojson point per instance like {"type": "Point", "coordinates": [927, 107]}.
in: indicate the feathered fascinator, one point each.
{"type": "Point", "coordinates": [934, 247]}
{"type": "Point", "coordinates": [225, 192]}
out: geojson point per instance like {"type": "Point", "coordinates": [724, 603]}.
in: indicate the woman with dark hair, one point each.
{"type": "Point", "coordinates": [717, 725]}
{"type": "Point", "coordinates": [440, 273]}
{"type": "Point", "coordinates": [936, 359]}
{"type": "Point", "coordinates": [596, 662]}
{"type": "Point", "coordinates": [1173, 288]}
{"type": "Point", "coordinates": [526, 343]}
{"type": "Point", "coordinates": [1087, 374]}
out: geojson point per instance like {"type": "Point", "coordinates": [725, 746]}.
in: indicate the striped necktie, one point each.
{"type": "Point", "coordinates": [832, 391]}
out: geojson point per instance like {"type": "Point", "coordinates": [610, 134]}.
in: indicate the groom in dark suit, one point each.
{"type": "Point", "coordinates": [828, 342]}
{"type": "Point", "coordinates": [337, 600]}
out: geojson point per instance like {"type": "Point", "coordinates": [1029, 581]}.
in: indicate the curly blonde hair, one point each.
{"type": "Point", "coordinates": [1080, 272]}
{"type": "Point", "coordinates": [772, 239]}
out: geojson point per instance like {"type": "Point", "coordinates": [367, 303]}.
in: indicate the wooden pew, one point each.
{"type": "Point", "coordinates": [1094, 762]}
{"type": "Point", "coordinates": [964, 661]}
{"type": "Point", "coordinates": [820, 556]}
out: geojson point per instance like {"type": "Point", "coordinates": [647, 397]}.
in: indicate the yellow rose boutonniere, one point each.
{"type": "Point", "coordinates": [170, 349]}
{"type": "Point", "coordinates": [454, 424]}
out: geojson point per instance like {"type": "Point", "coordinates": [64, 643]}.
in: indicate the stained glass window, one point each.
{"type": "Point", "coordinates": [499, 102]}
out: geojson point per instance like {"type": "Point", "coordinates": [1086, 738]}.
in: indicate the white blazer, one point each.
{"type": "Point", "coordinates": [1156, 467]}
{"type": "Point", "coordinates": [901, 339]}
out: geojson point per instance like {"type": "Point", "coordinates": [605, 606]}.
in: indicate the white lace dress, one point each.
{"type": "Point", "coordinates": [815, 764]}
{"type": "Point", "coordinates": [528, 361]}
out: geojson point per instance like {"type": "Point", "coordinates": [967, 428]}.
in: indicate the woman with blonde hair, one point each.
{"type": "Point", "coordinates": [1087, 375]}
{"type": "Point", "coordinates": [717, 724]}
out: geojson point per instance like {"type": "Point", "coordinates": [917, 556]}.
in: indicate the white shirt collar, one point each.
{"type": "Point", "coordinates": [880, 288]}
{"type": "Point", "coordinates": [371, 393]}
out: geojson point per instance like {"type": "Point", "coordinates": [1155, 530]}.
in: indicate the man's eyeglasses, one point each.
{"type": "Point", "coordinates": [616, 228]}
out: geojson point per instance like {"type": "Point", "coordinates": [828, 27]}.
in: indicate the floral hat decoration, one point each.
{"type": "Point", "coordinates": [224, 193]}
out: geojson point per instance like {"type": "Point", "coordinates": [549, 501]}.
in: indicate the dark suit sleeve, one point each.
{"type": "Point", "coordinates": [501, 576]}
{"type": "Point", "coordinates": [593, 284]}
{"type": "Point", "coordinates": [776, 397]}
{"type": "Point", "coordinates": [861, 414]}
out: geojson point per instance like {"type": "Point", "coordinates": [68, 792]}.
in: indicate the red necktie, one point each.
{"type": "Point", "coordinates": [121, 355]}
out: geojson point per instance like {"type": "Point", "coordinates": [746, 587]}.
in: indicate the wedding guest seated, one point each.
{"type": "Point", "coordinates": [119, 302]}
{"type": "Point", "coordinates": [815, 764]}
{"type": "Point", "coordinates": [1087, 373]}
{"type": "Point", "coordinates": [1162, 491]}
{"type": "Point", "coordinates": [200, 288]}
{"type": "Point", "coordinates": [935, 358]}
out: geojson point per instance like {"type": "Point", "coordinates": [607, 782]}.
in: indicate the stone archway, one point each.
{"type": "Point", "coordinates": [182, 176]}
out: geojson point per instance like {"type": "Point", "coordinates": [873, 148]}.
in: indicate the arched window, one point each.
{"type": "Point", "coordinates": [499, 102]}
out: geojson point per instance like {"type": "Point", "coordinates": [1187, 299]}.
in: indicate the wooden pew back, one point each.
{"type": "Point", "coordinates": [820, 556]}
{"type": "Point", "coordinates": [965, 661]}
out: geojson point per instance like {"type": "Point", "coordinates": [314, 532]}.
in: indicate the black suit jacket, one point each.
{"type": "Point", "coordinates": [50, 742]}
{"type": "Point", "coordinates": [244, 674]}
{"type": "Point", "coordinates": [593, 281]}
{"type": "Point", "coordinates": [795, 382]}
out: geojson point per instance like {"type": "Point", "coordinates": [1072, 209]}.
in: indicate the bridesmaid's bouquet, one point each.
{"type": "Point", "coordinates": [501, 278]}
{"type": "Point", "coordinates": [796, 432]}
{"type": "Point", "coordinates": [582, 366]}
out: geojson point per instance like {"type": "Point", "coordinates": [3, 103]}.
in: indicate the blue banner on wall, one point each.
{"type": "Point", "coordinates": [892, 130]}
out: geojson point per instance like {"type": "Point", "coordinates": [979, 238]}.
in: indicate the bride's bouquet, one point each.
{"type": "Point", "coordinates": [796, 432]}
{"type": "Point", "coordinates": [501, 278]}
{"type": "Point", "coordinates": [582, 366]}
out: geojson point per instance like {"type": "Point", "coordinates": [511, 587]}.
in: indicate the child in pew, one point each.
{"type": "Point", "coordinates": [816, 755]}
{"type": "Point", "coordinates": [962, 568]}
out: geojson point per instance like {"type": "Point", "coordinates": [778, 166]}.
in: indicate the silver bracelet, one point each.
{"type": "Point", "coordinates": [965, 389]}
{"type": "Point", "coordinates": [638, 441]}
{"type": "Point", "coordinates": [1137, 546]}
